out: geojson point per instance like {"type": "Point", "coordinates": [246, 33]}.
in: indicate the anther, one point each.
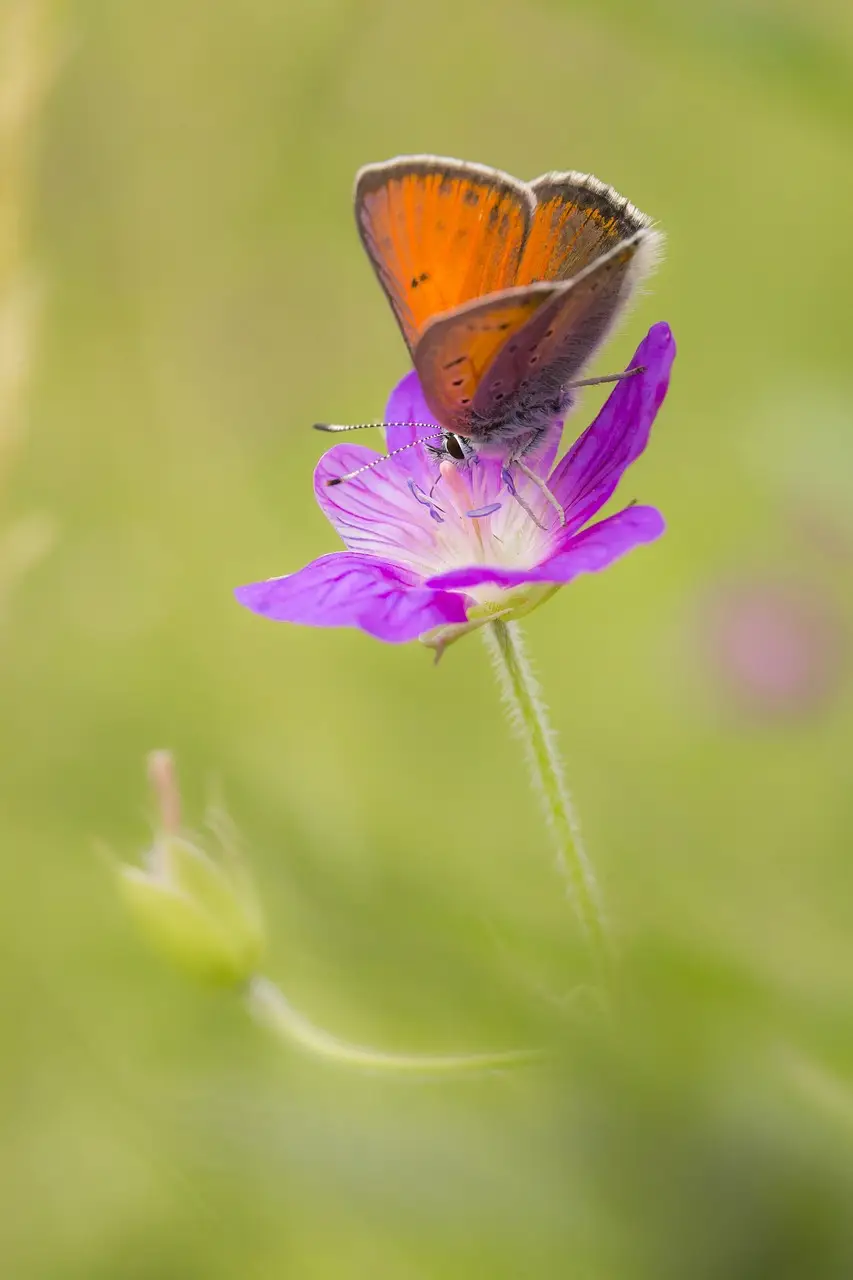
{"type": "Point", "coordinates": [483, 511]}
{"type": "Point", "coordinates": [419, 496]}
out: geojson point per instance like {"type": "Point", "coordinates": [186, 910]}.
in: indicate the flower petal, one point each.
{"type": "Point", "coordinates": [376, 513]}
{"type": "Point", "coordinates": [591, 470]}
{"type": "Point", "coordinates": [348, 590]}
{"type": "Point", "coordinates": [587, 552]}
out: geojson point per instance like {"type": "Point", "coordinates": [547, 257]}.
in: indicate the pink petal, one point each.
{"type": "Point", "coordinates": [588, 474]}
{"type": "Point", "coordinates": [376, 513]}
{"type": "Point", "coordinates": [348, 590]}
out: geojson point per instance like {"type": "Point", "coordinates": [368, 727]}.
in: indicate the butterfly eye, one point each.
{"type": "Point", "coordinates": [454, 448]}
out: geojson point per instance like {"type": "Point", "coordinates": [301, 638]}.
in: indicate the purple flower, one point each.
{"type": "Point", "coordinates": [435, 550]}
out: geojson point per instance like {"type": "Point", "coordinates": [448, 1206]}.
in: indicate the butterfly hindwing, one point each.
{"type": "Point", "coordinates": [458, 349]}
{"type": "Point", "coordinates": [561, 337]}
{"type": "Point", "coordinates": [440, 233]}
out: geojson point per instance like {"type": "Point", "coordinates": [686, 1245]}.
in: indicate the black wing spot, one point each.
{"type": "Point", "coordinates": [550, 333]}
{"type": "Point", "coordinates": [500, 395]}
{"type": "Point", "coordinates": [421, 279]}
{"type": "Point", "coordinates": [457, 382]}
{"type": "Point", "coordinates": [494, 215]}
{"type": "Point", "coordinates": [533, 360]}
{"type": "Point", "coordinates": [471, 197]}
{"type": "Point", "coordinates": [513, 346]}
{"type": "Point", "coordinates": [507, 324]}
{"type": "Point", "coordinates": [464, 399]}
{"type": "Point", "coordinates": [451, 363]}
{"type": "Point", "coordinates": [445, 187]}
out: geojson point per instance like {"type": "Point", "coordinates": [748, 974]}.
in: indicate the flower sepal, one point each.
{"type": "Point", "coordinates": [513, 605]}
{"type": "Point", "coordinates": [200, 913]}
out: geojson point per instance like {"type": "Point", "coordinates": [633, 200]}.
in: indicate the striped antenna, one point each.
{"type": "Point", "coordinates": [383, 457]}
{"type": "Point", "coordinates": [362, 426]}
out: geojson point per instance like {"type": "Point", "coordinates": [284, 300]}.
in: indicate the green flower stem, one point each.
{"type": "Point", "coordinates": [529, 720]}
{"type": "Point", "coordinates": [269, 1006]}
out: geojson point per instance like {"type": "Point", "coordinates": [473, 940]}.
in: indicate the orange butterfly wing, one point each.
{"type": "Point", "coordinates": [502, 289]}
{"type": "Point", "coordinates": [457, 349]}
{"type": "Point", "coordinates": [440, 233]}
{"type": "Point", "coordinates": [577, 219]}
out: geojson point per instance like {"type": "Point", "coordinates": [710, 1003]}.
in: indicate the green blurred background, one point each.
{"type": "Point", "coordinates": [204, 299]}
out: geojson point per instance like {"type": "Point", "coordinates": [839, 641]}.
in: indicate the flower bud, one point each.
{"type": "Point", "coordinates": [200, 912]}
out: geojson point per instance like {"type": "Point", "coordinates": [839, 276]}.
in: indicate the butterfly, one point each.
{"type": "Point", "coordinates": [503, 290]}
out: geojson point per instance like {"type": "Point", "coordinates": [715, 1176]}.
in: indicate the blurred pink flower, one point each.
{"type": "Point", "coordinates": [777, 649]}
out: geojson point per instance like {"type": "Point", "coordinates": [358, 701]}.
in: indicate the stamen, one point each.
{"type": "Point", "coordinates": [483, 511]}
{"type": "Point", "coordinates": [419, 496]}
{"type": "Point", "coordinates": [457, 490]}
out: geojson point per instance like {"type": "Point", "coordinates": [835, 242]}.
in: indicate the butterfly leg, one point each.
{"type": "Point", "coordinates": [608, 377]}
{"type": "Point", "coordinates": [540, 483]}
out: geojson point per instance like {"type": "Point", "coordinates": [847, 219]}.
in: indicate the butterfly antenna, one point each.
{"type": "Point", "coordinates": [383, 457]}
{"type": "Point", "coordinates": [363, 426]}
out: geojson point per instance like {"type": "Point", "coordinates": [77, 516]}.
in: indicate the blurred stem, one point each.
{"type": "Point", "coordinates": [26, 66]}
{"type": "Point", "coordinates": [529, 720]}
{"type": "Point", "coordinates": [269, 1006]}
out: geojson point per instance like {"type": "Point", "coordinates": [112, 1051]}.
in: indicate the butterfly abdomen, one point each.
{"type": "Point", "coordinates": [528, 418]}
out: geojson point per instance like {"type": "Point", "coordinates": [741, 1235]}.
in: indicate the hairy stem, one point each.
{"type": "Point", "coordinates": [529, 721]}
{"type": "Point", "coordinates": [269, 1006]}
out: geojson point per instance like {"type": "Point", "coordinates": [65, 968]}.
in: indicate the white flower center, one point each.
{"type": "Point", "coordinates": [475, 521]}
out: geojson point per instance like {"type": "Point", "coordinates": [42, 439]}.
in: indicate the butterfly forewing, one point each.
{"type": "Point", "coordinates": [576, 220]}
{"type": "Point", "coordinates": [440, 233]}
{"type": "Point", "coordinates": [458, 349]}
